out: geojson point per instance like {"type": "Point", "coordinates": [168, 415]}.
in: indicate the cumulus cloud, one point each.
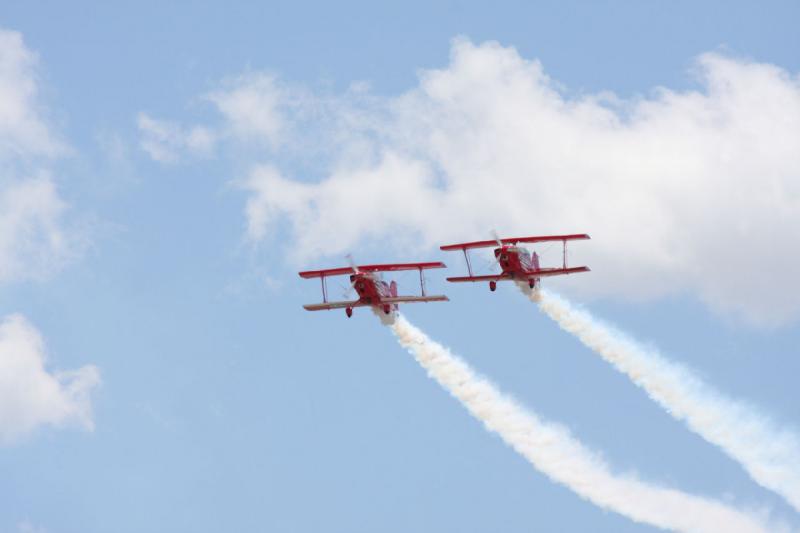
{"type": "Point", "coordinates": [695, 190]}
{"type": "Point", "coordinates": [689, 191]}
{"type": "Point", "coordinates": [30, 396]}
{"type": "Point", "coordinates": [33, 238]}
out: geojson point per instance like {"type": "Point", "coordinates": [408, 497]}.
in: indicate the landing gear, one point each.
{"type": "Point", "coordinates": [387, 309]}
{"type": "Point", "coordinates": [532, 283]}
{"type": "Point", "coordinates": [492, 286]}
{"type": "Point", "coordinates": [349, 312]}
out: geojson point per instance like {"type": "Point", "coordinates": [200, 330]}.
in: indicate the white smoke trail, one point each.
{"type": "Point", "coordinates": [552, 450]}
{"type": "Point", "coordinates": [771, 456]}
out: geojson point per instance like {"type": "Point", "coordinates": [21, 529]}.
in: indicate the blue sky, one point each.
{"type": "Point", "coordinates": [184, 161]}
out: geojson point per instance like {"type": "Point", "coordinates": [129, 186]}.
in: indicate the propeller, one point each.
{"type": "Point", "coordinates": [499, 245]}
{"type": "Point", "coordinates": [497, 238]}
{"type": "Point", "coordinates": [347, 290]}
{"type": "Point", "coordinates": [356, 271]}
{"type": "Point", "coordinates": [352, 263]}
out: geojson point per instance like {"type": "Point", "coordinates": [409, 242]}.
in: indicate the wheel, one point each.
{"type": "Point", "coordinates": [531, 283]}
{"type": "Point", "coordinates": [349, 312]}
{"type": "Point", "coordinates": [387, 309]}
{"type": "Point", "coordinates": [492, 286]}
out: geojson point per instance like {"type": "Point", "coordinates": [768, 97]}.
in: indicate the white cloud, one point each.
{"type": "Point", "coordinates": [33, 239]}
{"type": "Point", "coordinates": [23, 130]}
{"type": "Point", "coordinates": [682, 191]}
{"type": "Point", "coordinates": [30, 396]}
{"type": "Point", "coordinates": [34, 242]}
{"type": "Point", "coordinates": [250, 104]}
{"type": "Point", "coordinates": [692, 191]}
{"type": "Point", "coordinates": [166, 141]}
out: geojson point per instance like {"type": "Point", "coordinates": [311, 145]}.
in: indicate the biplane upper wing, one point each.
{"type": "Point", "coordinates": [325, 273]}
{"type": "Point", "coordinates": [414, 299]}
{"type": "Point", "coordinates": [401, 266]}
{"type": "Point", "coordinates": [514, 240]}
{"type": "Point", "coordinates": [327, 306]}
{"type": "Point", "coordinates": [370, 268]}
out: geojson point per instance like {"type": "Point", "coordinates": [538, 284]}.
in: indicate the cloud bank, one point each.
{"type": "Point", "coordinates": [30, 396]}
{"type": "Point", "coordinates": [691, 191]}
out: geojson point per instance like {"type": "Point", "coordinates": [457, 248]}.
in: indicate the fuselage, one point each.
{"type": "Point", "coordinates": [371, 289]}
{"type": "Point", "coordinates": [516, 262]}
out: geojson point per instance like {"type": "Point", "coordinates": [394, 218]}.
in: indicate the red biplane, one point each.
{"type": "Point", "coordinates": [517, 263]}
{"type": "Point", "coordinates": [371, 289]}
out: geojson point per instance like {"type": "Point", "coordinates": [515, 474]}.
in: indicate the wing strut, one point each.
{"type": "Point", "coordinates": [324, 289]}
{"type": "Point", "coordinates": [469, 265]}
{"type": "Point", "coordinates": [564, 254]}
{"type": "Point", "coordinates": [421, 282]}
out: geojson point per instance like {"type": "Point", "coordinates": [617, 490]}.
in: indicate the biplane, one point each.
{"type": "Point", "coordinates": [371, 289]}
{"type": "Point", "coordinates": [517, 263]}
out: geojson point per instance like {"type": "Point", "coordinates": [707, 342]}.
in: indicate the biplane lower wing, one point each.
{"type": "Point", "coordinates": [535, 274]}
{"type": "Point", "coordinates": [327, 306]}
{"type": "Point", "coordinates": [414, 299]}
{"type": "Point", "coordinates": [546, 272]}
{"type": "Point", "coordinates": [493, 277]}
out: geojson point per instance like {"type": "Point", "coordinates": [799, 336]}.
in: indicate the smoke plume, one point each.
{"type": "Point", "coordinates": [770, 455]}
{"type": "Point", "coordinates": [552, 450]}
